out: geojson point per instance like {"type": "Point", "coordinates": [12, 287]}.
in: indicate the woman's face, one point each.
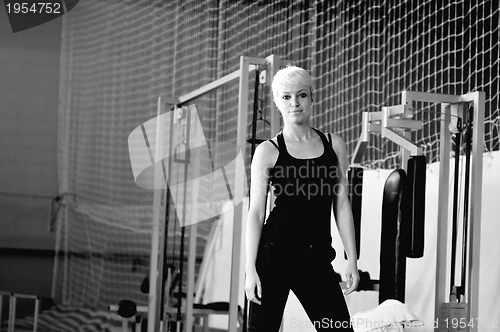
{"type": "Point", "coordinates": [294, 101]}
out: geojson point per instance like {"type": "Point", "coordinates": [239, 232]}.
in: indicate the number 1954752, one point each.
{"type": "Point", "coordinates": [35, 8]}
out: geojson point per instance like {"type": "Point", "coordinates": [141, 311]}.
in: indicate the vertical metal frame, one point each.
{"type": "Point", "coordinates": [441, 289]}
{"type": "Point", "coordinates": [247, 65]}
{"type": "Point", "coordinates": [11, 323]}
{"type": "Point", "coordinates": [158, 224]}
{"type": "Point", "coordinates": [476, 180]}
{"type": "Point", "coordinates": [478, 100]}
{"type": "Point", "coordinates": [273, 64]}
{"type": "Point", "coordinates": [235, 291]}
{"type": "Point", "coordinates": [370, 124]}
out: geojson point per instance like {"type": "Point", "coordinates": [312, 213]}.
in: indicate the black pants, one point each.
{"type": "Point", "coordinates": [315, 284]}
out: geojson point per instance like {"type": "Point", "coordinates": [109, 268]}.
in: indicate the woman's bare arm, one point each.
{"type": "Point", "coordinates": [264, 157]}
{"type": "Point", "coordinates": [343, 216]}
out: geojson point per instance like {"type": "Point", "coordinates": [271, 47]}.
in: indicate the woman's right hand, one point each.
{"type": "Point", "coordinates": [253, 288]}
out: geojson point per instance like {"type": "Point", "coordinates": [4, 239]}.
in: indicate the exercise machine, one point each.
{"type": "Point", "coordinates": [155, 169]}
{"type": "Point", "coordinates": [458, 113]}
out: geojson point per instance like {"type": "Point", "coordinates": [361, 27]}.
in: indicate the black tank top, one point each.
{"type": "Point", "coordinates": [305, 190]}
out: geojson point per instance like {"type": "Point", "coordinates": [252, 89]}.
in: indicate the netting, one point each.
{"type": "Point", "coordinates": [118, 57]}
{"type": "Point", "coordinates": [379, 48]}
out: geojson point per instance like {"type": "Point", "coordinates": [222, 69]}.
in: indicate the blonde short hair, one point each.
{"type": "Point", "coordinates": [294, 75]}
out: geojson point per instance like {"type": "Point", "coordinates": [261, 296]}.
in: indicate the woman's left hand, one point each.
{"type": "Point", "coordinates": [352, 277]}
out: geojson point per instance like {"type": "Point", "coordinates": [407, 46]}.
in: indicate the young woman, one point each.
{"type": "Point", "coordinates": [292, 249]}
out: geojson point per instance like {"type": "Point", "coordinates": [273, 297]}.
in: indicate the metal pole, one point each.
{"type": "Point", "coordinates": [192, 236]}
{"type": "Point", "coordinates": [475, 205]}
{"type": "Point", "coordinates": [155, 263]}
{"type": "Point", "coordinates": [457, 142]}
{"type": "Point", "coordinates": [442, 222]}
{"type": "Point", "coordinates": [273, 64]}
{"type": "Point", "coordinates": [405, 154]}
{"type": "Point", "coordinates": [239, 186]}
{"type": "Point", "coordinates": [255, 110]}
{"type": "Point", "coordinates": [466, 219]}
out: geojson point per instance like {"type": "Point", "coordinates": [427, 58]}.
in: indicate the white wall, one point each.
{"type": "Point", "coordinates": [29, 99]}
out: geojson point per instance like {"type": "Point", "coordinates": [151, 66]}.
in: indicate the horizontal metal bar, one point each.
{"type": "Point", "coordinates": [408, 96]}
{"type": "Point", "coordinates": [27, 196]}
{"type": "Point", "coordinates": [405, 124]}
{"type": "Point", "coordinates": [396, 110]}
{"type": "Point", "coordinates": [402, 141]}
{"type": "Point", "coordinates": [140, 308]}
{"type": "Point", "coordinates": [212, 85]}
{"type": "Point", "coordinates": [471, 96]}
{"type": "Point", "coordinates": [255, 61]}
{"type": "Point", "coordinates": [404, 112]}
{"type": "Point", "coordinates": [25, 296]}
